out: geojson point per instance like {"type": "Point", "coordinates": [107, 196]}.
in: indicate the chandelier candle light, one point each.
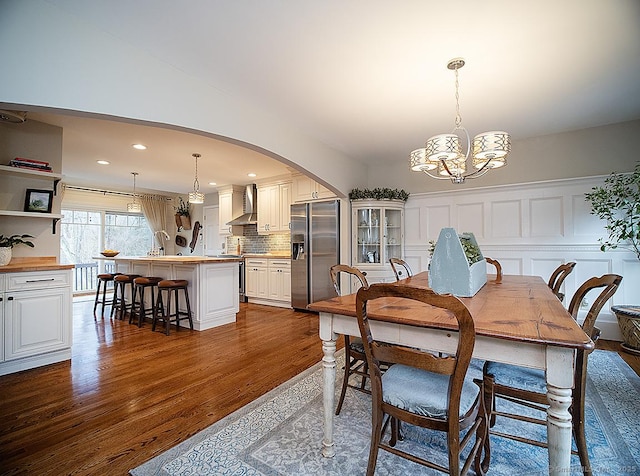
{"type": "Point", "coordinates": [134, 207]}
{"type": "Point", "coordinates": [196, 196]}
{"type": "Point", "coordinates": [444, 151]}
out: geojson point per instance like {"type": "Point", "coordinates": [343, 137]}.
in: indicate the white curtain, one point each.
{"type": "Point", "coordinates": [154, 209]}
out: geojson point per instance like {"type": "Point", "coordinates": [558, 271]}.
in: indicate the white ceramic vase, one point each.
{"type": "Point", "coordinates": [5, 255]}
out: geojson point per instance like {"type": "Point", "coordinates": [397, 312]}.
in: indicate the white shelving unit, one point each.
{"type": "Point", "coordinates": [33, 174]}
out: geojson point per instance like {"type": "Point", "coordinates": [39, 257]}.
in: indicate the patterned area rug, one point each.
{"type": "Point", "coordinates": [281, 434]}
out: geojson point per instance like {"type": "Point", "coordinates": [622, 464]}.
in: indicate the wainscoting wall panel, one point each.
{"type": "Point", "coordinates": [531, 229]}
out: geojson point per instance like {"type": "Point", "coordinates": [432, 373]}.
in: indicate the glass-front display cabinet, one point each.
{"type": "Point", "coordinates": [378, 234]}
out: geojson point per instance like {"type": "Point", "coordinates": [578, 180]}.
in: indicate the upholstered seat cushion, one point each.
{"type": "Point", "coordinates": [532, 380]}
{"type": "Point", "coordinates": [423, 393]}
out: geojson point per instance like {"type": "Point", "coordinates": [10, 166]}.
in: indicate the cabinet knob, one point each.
{"type": "Point", "coordinates": [10, 298]}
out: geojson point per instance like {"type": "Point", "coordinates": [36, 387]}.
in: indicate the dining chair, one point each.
{"type": "Point", "coordinates": [528, 386]}
{"type": "Point", "coordinates": [558, 276]}
{"type": "Point", "coordinates": [498, 267]}
{"type": "Point", "coordinates": [354, 359]}
{"type": "Point", "coordinates": [400, 268]}
{"type": "Point", "coordinates": [422, 388]}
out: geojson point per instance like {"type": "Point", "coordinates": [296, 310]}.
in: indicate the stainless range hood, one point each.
{"type": "Point", "coordinates": [250, 216]}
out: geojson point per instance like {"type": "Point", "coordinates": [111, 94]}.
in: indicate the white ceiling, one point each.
{"type": "Point", "coordinates": [368, 78]}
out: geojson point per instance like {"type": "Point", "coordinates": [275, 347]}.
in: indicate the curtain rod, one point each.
{"type": "Point", "coordinates": [111, 192]}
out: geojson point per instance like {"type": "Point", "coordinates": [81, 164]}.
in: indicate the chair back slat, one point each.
{"type": "Point", "coordinates": [335, 271]}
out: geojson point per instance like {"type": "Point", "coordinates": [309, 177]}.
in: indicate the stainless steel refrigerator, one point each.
{"type": "Point", "coordinates": [315, 247]}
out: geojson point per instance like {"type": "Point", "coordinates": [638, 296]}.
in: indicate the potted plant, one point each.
{"type": "Point", "coordinates": [618, 202]}
{"type": "Point", "coordinates": [378, 194]}
{"type": "Point", "coordinates": [8, 242]}
{"type": "Point", "coordinates": [183, 219]}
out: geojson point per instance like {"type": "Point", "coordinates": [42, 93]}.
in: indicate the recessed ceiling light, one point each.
{"type": "Point", "coordinates": [103, 162]}
{"type": "Point", "coordinates": [139, 146]}
{"type": "Point", "coordinates": [251, 174]}
{"type": "Point", "coordinates": [212, 183]}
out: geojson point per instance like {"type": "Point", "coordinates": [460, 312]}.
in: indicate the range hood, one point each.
{"type": "Point", "coordinates": [250, 216]}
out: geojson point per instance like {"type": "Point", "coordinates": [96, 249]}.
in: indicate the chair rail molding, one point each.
{"type": "Point", "coordinates": [531, 229]}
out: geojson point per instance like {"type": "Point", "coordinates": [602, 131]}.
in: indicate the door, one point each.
{"type": "Point", "coordinates": [212, 239]}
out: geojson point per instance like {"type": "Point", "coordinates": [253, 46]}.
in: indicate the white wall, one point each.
{"type": "Point", "coordinates": [531, 229]}
{"type": "Point", "coordinates": [61, 63]}
{"type": "Point", "coordinates": [582, 153]}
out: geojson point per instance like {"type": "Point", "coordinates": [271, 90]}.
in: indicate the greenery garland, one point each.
{"type": "Point", "coordinates": [378, 194]}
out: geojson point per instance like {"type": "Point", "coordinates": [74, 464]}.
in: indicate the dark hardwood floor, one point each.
{"type": "Point", "coordinates": [129, 394]}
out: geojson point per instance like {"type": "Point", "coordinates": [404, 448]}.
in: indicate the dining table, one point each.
{"type": "Point", "coordinates": [518, 320]}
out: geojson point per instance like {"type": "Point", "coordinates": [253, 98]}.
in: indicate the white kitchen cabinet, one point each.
{"type": "Point", "coordinates": [274, 208]}
{"type": "Point", "coordinates": [280, 280]}
{"type": "Point", "coordinates": [268, 281]}
{"type": "Point", "coordinates": [306, 189]}
{"type": "Point", "coordinates": [230, 201]}
{"type": "Point", "coordinates": [37, 315]}
{"type": "Point", "coordinates": [256, 278]}
{"type": "Point", "coordinates": [377, 235]}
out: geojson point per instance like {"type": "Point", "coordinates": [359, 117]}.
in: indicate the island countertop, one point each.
{"type": "Point", "coordinates": [177, 259]}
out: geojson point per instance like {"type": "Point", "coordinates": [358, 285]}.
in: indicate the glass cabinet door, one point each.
{"type": "Point", "coordinates": [368, 235]}
{"type": "Point", "coordinates": [392, 234]}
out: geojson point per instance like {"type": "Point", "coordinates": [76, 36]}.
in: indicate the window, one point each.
{"type": "Point", "coordinates": [83, 234]}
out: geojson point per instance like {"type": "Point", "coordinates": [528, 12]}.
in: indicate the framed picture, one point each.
{"type": "Point", "coordinates": [39, 201]}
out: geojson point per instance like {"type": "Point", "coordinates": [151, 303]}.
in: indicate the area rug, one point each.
{"type": "Point", "coordinates": [281, 434]}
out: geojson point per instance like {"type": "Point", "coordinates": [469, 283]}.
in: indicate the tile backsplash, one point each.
{"type": "Point", "coordinates": [251, 242]}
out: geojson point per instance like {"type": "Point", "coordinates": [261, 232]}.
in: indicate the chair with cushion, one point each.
{"type": "Point", "coordinates": [400, 268]}
{"type": "Point", "coordinates": [355, 362]}
{"type": "Point", "coordinates": [558, 276]}
{"type": "Point", "coordinates": [422, 388]}
{"type": "Point", "coordinates": [498, 267]}
{"type": "Point", "coordinates": [103, 283]}
{"type": "Point", "coordinates": [528, 386]}
{"type": "Point", "coordinates": [138, 310]}
{"type": "Point", "coordinates": [166, 289]}
{"type": "Point", "coordinates": [119, 303]}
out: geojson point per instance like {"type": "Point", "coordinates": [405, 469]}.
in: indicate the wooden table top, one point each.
{"type": "Point", "coordinates": [520, 308]}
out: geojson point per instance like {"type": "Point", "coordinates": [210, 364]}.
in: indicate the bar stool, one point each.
{"type": "Point", "coordinates": [168, 286]}
{"type": "Point", "coordinates": [103, 281]}
{"type": "Point", "coordinates": [137, 307]}
{"type": "Point", "coordinates": [119, 293]}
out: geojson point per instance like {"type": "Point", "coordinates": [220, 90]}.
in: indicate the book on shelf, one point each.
{"type": "Point", "coordinates": [22, 165]}
{"type": "Point", "coordinates": [31, 161]}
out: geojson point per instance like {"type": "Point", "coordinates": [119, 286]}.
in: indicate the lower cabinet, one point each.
{"type": "Point", "coordinates": [268, 281]}
{"type": "Point", "coordinates": [37, 319]}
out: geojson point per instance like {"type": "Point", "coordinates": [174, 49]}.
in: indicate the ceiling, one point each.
{"type": "Point", "coordinates": [367, 78]}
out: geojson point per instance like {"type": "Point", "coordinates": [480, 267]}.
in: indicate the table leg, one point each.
{"type": "Point", "coordinates": [559, 384]}
{"type": "Point", "coordinates": [328, 394]}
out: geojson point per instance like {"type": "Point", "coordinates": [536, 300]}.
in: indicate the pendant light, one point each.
{"type": "Point", "coordinates": [134, 207]}
{"type": "Point", "coordinates": [444, 155]}
{"type": "Point", "coordinates": [196, 196]}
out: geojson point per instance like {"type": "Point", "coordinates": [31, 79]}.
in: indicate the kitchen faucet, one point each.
{"type": "Point", "coordinates": [160, 251]}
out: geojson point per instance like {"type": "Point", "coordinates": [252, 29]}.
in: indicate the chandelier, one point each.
{"type": "Point", "coordinates": [443, 153]}
{"type": "Point", "coordinates": [196, 196]}
{"type": "Point", "coordinates": [134, 207]}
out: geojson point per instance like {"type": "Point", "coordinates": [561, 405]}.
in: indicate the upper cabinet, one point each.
{"type": "Point", "coordinates": [306, 189]}
{"type": "Point", "coordinates": [274, 207]}
{"type": "Point", "coordinates": [230, 200]}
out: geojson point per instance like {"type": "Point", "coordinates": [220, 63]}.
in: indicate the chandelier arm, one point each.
{"type": "Point", "coordinates": [480, 172]}
{"type": "Point", "coordinates": [436, 176]}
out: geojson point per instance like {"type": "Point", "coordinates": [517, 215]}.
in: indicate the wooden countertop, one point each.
{"type": "Point", "coordinates": [286, 255]}
{"type": "Point", "coordinates": [37, 263]}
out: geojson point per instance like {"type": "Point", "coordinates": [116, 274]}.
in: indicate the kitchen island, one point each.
{"type": "Point", "coordinates": [213, 283]}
